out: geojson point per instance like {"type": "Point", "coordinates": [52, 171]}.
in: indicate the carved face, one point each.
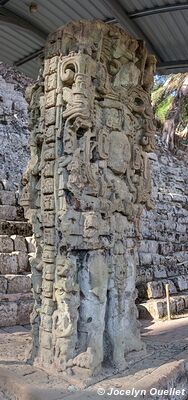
{"type": "Point", "coordinates": [120, 152]}
{"type": "Point", "coordinates": [90, 224]}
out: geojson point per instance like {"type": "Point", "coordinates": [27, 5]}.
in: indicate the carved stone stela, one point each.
{"type": "Point", "coordinates": [84, 190]}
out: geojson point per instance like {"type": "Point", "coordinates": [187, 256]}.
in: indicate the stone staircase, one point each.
{"type": "Point", "coordinates": [152, 293]}
{"type": "Point", "coordinates": [16, 299]}
{"type": "Point", "coordinates": [163, 250]}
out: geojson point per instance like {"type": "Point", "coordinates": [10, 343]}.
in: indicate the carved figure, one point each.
{"type": "Point", "coordinates": [86, 185]}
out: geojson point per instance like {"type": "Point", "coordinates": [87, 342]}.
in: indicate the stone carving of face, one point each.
{"type": "Point", "coordinates": [120, 152]}
{"type": "Point", "coordinates": [90, 225]}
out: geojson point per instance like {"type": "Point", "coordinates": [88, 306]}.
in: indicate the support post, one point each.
{"type": "Point", "coordinates": [168, 301]}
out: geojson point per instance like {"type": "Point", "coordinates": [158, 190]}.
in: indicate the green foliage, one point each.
{"type": "Point", "coordinates": [156, 95]}
{"type": "Point", "coordinates": [184, 111]}
{"type": "Point", "coordinates": [163, 108]}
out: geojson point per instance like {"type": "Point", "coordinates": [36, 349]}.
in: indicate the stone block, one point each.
{"type": "Point", "coordinates": [19, 243]}
{"type": "Point", "coordinates": [24, 310]}
{"type": "Point", "coordinates": [18, 283]}
{"type": "Point", "coordinates": [181, 282]}
{"type": "Point", "coordinates": [15, 228]}
{"type": "Point", "coordinates": [8, 263]}
{"type": "Point", "coordinates": [6, 244]}
{"type": "Point", "coordinates": [51, 82]}
{"type": "Point", "coordinates": [159, 271]}
{"type": "Point", "coordinates": [165, 248]}
{"type": "Point", "coordinates": [30, 244]}
{"type": "Point", "coordinates": [3, 284]}
{"type": "Point", "coordinates": [172, 287]}
{"type": "Point", "coordinates": [7, 197]}
{"type": "Point", "coordinates": [8, 212]}
{"type": "Point", "coordinates": [145, 258]}
{"type": "Point", "coordinates": [172, 270]}
{"type": "Point", "coordinates": [50, 116]}
{"type": "Point", "coordinates": [8, 313]}
{"type": "Point", "coordinates": [152, 309]}
{"type": "Point", "coordinates": [23, 262]}
{"type": "Point", "coordinates": [155, 289]}
{"type": "Point", "coordinates": [181, 228]}
{"type": "Point", "coordinates": [178, 198]}
{"type": "Point", "coordinates": [50, 99]}
{"type": "Point", "coordinates": [180, 305]}
{"type": "Point", "coordinates": [185, 297]}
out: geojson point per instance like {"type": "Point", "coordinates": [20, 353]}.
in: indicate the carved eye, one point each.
{"type": "Point", "coordinates": [114, 67]}
{"type": "Point", "coordinates": [138, 101]}
{"type": "Point", "coordinates": [144, 140]}
{"type": "Point", "coordinates": [68, 74]}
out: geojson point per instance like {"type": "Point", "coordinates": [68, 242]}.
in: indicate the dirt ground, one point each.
{"type": "Point", "coordinates": [167, 345]}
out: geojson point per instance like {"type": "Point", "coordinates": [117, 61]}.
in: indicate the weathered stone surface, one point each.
{"type": "Point", "coordinates": [19, 243]}
{"type": "Point", "coordinates": [163, 250]}
{"type": "Point", "coordinates": [8, 313]}
{"type": "Point", "coordinates": [6, 244]}
{"type": "Point", "coordinates": [155, 289]}
{"type": "Point", "coordinates": [30, 241]}
{"type": "Point", "coordinates": [8, 212]}
{"type": "Point", "coordinates": [8, 263]}
{"type": "Point", "coordinates": [181, 282]}
{"type": "Point", "coordinates": [157, 308]}
{"type": "Point", "coordinates": [84, 191]}
{"type": "Point", "coordinates": [13, 137]}
{"type": "Point", "coordinates": [7, 197]}
{"type": "Point", "coordinates": [14, 310]}
{"type": "Point", "coordinates": [18, 283]}
{"type": "Point", "coordinates": [15, 228]}
{"type": "Point", "coordinates": [23, 262]}
{"type": "Point", "coordinates": [3, 284]}
{"type": "Point", "coordinates": [24, 310]}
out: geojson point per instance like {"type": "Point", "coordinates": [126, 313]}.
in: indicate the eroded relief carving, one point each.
{"type": "Point", "coordinates": [86, 185]}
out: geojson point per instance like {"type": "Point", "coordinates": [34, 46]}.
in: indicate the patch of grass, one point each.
{"type": "Point", "coordinates": [163, 108]}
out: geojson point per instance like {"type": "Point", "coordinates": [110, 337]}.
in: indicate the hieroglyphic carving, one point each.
{"type": "Point", "coordinates": [87, 183]}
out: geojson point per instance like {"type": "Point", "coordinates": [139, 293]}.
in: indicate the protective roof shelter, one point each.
{"type": "Point", "coordinates": [163, 24]}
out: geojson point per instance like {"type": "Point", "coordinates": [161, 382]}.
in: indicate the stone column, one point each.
{"type": "Point", "coordinates": [84, 190]}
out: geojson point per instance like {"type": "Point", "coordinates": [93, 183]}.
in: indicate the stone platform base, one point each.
{"type": "Point", "coordinates": [15, 309]}
{"type": "Point", "coordinates": [157, 309]}
{"type": "Point", "coordinates": [164, 368]}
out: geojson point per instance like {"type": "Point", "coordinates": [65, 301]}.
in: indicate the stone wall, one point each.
{"type": "Point", "coordinates": [15, 242]}
{"type": "Point", "coordinates": [163, 252]}
{"type": "Point", "coordinates": [14, 134]}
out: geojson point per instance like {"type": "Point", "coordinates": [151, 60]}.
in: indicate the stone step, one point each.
{"type": "Point", "coordinates": [7, 197]}
{"type": "Point", "coordinates": [12, 213]}
{"type": "Point", "coordinates": [12, 284]}
{"type": "Point", "coordinates": [15, 309]}
{"type": "Point", "coordinates": [14, 263]}
{"type": "Point", "coordinates": [8, 244]}
{"type": "Point", "coordinates": [156, 288]}
{"type": "Point", "coordinates": [157, 308]}
{"type": "Point", "coordinates": [20, 228]}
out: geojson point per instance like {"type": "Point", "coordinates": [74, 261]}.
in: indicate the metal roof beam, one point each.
{"type": "Point", "coordinates": [29, 57]}
{"type": "Point", "coordinates": [124, 19]}
{"type": "Point", "coordinates": [3, 2]}
{"type": "Point", "coordinates": [172, 65]}
{"type": "Point", "coordinates": [9, 17]}
{"type": "Point", "coordinates": [158, 10]}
